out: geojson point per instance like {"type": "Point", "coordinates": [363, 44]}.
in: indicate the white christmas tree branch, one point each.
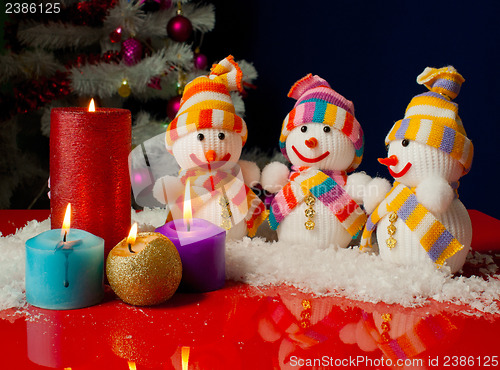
{"type": "Point", "coordinates": [202, 17]}
{"type": "Point", "coordinates": [28, 65]}
{"type": "Point", "coordinates": [104, 80]}
{"type": "Point", "coordinates": [54, 36]}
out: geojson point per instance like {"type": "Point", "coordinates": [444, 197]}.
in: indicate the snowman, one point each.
{"type": "Point", "coordinates": [206, 138]}
{"type": "Point", "coordinates": [317, 203]}
{"type": "Point", "coordinates": [421, 218]}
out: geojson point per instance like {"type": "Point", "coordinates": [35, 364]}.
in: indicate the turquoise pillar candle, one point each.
{"type": "Point", "coordinates": [63, 275]}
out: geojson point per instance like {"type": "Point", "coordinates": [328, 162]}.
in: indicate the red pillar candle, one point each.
{"type": "Point", "coordinates": [89, 169]}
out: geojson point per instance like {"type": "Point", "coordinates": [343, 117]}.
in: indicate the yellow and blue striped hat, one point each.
{"type": "Point", "coordinates": [432, 118]}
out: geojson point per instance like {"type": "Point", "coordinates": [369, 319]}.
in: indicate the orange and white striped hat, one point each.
{"type": "Point", "coordinates": [432, 118]}
{"type": "Point", "coordinates": [206, 103]}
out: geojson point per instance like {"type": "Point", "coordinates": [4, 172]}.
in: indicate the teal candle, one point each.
{"type": "Point", "coordinates": [62, 275]}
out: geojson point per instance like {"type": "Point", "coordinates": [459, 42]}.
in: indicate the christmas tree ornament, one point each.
{"type": "Point", "coordinates": [144, 269]}
{"type": "Point", "coordinates": [173, 106]}
{"type": "Point", "coordinates": [116, 35]}
{"type": "Point", "coordinates": [131, 51]}
{"type": "Point", "coordinates": [200, 60]}
{"type": "Point", "coordinates": [124, 90]}
{"type": "Point", "coordinates": [155, 83]}
{"type": "Point", "coordinates": [206, 138]}
{"type": "Point", "coordinates": [324, 141]}
{"type": "Point", "coordinates": [179, 28]}
{"type": "Point", "coordinates": [421, 220]}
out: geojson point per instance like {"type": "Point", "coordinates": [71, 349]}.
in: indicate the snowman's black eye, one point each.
{"type": "Point", "coordinates": [326, 129]}
{"type": "Point", "coordinates": [405, 142]}
{"type": "Point", "coordinates": [221, 136]}
{"type": "Point", "coordinates": [303, 128]}
{"type": "Point", "coordinates": [201, 137]}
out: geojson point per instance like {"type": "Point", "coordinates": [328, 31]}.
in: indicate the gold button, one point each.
{"type": "Point", "coordinates": [309, 225]}
{"type": "Point", "coordinates": [310, 200]}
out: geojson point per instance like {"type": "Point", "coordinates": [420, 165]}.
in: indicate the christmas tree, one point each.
{"type": "Point", "coordinates": [133, 54]}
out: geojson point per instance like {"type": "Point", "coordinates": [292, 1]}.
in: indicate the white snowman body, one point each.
{"type": "Point", "coordinates": [222, 148]}
{"type": "Point", "coordinates": [430, 171]}
{"type": "Point", "coordinates": [324, 148]}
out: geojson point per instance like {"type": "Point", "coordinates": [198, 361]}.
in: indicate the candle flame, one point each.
{"type": "Point", "coordinates": [67, 220]}
{"type": "Point", "coordinates": [185, 357]}
{"type": "Point", "coordinates": [92, 105]}
{"type": "Point", "coordinates": [131, 365]}
{"type": "Point", "coordinates": [188, 212]}
{"type": "Point", "coordinates": [132, 235]}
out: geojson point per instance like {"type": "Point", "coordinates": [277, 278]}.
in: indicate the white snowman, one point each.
{"type": "Point", "coordinates": [316, 203]}
{"type": "Point", "coordinates": [206, 138]}
{"type": "Point", "coordinates": [421, 218]}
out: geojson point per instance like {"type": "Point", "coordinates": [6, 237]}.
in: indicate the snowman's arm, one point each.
{"type": "Point", "coordinates": [356, 186]}
{"type": "Point", "coordinates": [250, 172]}
{"type": "Point", "coordinates": [366, 190]}
{"type": "Point", "coordinates": [435, 194]}
{"type": "Point", "coordinates": [375, 193]}
{"type": "Point", "coordinates": [274, 176]}
{"type": "Point", "coordinates": [167, 188]}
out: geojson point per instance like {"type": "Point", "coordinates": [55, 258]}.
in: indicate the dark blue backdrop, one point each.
{"type": "Point", "coordinates": [371, 52]}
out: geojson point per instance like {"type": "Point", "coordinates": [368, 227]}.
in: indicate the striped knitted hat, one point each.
{"type": "Point", "coordinates": [432, 118]}
{"type": "Point", "coordinates": [317, 102]}
{"type": "Point", "coordinates": [206, 103]}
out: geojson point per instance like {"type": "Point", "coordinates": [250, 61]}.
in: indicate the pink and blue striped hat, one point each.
{"type": "Point", "coordinates": [317, 102]}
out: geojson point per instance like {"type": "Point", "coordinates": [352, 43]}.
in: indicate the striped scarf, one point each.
{"type": "Point", "coordinates": [429, 332]}
{"type": "Point", "coordinates": [327, 187]}
{"type": "Point", "coordinates": [243, 203]}
{"type": "Point", "coordinates": [438, 242]}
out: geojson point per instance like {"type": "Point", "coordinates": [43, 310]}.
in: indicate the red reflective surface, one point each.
{"type": "Point", "coordinates": [243, 327]}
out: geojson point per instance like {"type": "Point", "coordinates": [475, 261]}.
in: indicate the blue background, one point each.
{"type": "Point", "coordinates": [370, 52]}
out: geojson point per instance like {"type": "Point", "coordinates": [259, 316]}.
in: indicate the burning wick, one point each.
{"type": "Point", "coordinates": [66, 222]}
{"type": "Point", "coordinates": [92, 105]}
{"type": "Point", "coordinates": [131, 237]}
{"type": "Point", "coordinates": [188, 213]}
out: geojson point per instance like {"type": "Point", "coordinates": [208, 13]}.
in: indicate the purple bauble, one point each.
{"type": "Point", "coordinates": [179, 28]}
{"type": "Point", "coordinates": [200, 61]}
{"type": "Point", "coordinates": [131, 52]}
{"type": "Point", "coordinates": [173, 106]}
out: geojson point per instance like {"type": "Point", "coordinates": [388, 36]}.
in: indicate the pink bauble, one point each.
{"type": "Point", "coordinates": [131, 51]}
{"type": "Point", "coordinates": [200, 61]}
{"type": "Point", "coordinates": [173, 106]}
{"type": "Point", "coordinates": [179, 28]}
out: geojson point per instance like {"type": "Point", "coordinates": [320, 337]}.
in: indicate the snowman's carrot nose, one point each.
{"type": "Point", "coordinates": [312, 142]}
{"type": "Point", "coordinates": [210, 155]}
{"type": "Point", "coordinates": [391, 161]}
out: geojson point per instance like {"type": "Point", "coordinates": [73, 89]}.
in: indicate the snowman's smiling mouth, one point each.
{"type": "Point", "coordinates": [310, 160]}
{"type": "Point", "coordinates": [400, 173]}
{"type": "Point", "coordinates": [210, 165]}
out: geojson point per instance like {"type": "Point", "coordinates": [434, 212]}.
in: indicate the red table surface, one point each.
{"type": "Point", "coordinates": [244, 327]}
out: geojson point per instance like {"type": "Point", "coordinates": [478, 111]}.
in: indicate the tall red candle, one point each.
{"type": "Point", "coordinates": [89, 169]}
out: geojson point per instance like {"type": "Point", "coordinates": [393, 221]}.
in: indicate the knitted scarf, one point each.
{"type": "Point", "coordinates": [427, 333]}
{"type": "Point", "coordinates": [224, 183]}
{"type": "Point", "coordinates": [438, 242]}
{"type": "Point", "coordinates": [327, 187]}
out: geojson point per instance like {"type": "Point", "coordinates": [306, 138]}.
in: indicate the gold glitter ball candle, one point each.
{"type": "Point", "coordinates": [145, 270]}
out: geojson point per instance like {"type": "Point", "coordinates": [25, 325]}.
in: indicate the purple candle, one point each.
{"type": "Point", "coordinates": [201, 246]}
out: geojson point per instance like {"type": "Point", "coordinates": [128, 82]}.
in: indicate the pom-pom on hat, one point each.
{"type": "Point", "coordinates": [317, 102]}
{"type": "Point", "coordinates": [206, 103]}
{"type": "Point", "coordinates": [432, 118]}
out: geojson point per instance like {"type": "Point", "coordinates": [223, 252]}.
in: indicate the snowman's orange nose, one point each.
{"type": "Point", "coordinates": [210, 155]}
{"type": "Point", "coordinates": [312, 142]}
{"type": "Point", "coordinates": [391, 161]}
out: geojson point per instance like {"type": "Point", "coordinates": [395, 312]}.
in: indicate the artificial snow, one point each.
{"type": "Point", "coordinates": [343, 272]}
